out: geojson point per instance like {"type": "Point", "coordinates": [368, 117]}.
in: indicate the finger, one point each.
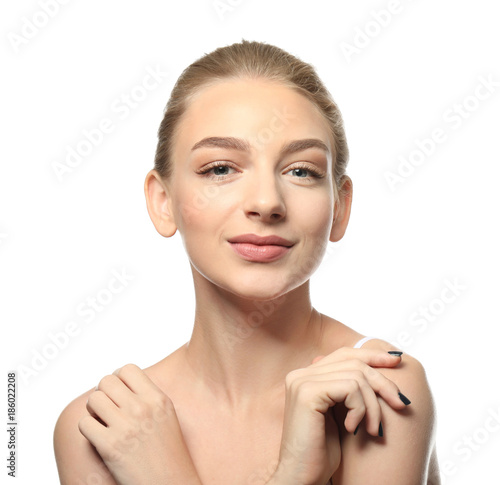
{"type": "Point", "coordinates": [380, 384]}
{"type": "Point", "coordinates": [328, 393]}
{"type": "Point", "coordinates": [93, 431]}
{"type": "Point", "coordinates": [102, 407]}
{"type": "Point", "coordinates": [371, 411]}
{"type": "Point", "coordinates": [98, 436]}
{"type": "Point", "coordinates": [371, 357]}
{"type": "Point", "coordinates": [116, 390]}
{"type": "Point", "coordinates": [136, 380]}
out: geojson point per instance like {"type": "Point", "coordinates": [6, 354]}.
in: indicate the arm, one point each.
{"type": "Point", "coordinates": [78, 463]}
{"type": "Point", "coordinates": [406, 453]}
{"type": "Point", "coordinates": [125, 432]}
{"type": "Point", "coordinates": [311, 450]}
{"type": "Point", "coordinates": [360, 389]}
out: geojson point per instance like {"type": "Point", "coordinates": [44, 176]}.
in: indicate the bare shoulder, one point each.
{"type": "Point", "coordinates": [406, 452]}
{"type": "Point", "coordinates": [411, 378]}
{"type": "Point", "coordinates": [77, 461]}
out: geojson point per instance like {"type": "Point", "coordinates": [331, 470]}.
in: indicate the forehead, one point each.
{"type": "Point", "coordinates": [257, 110]}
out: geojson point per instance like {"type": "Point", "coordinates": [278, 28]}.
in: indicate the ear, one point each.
{"type": "Point", "coordinates": [342, 210]}
{"type": "Point", "coordinates": [159, 203]}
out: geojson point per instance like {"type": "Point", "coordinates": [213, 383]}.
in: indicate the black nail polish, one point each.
{"type": "Point", "coordinates": [395, 352]}
{"type": "Point", "coordinates": [356, 430]}
{"type": "Point", "coordinates": [404, 399]}
{"type": "Point", "coordinates": [380, 430]}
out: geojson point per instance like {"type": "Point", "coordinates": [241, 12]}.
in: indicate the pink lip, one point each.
{"type": "Point", "coordinates": [261, 241]}
{"type": "Point", "coordinates": [259, 253]}
{"type": "Point", "coordinates": [260, 249]}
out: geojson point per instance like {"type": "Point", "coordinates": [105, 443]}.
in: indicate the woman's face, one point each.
{"type": "Point", "coordinates": [252, 157]}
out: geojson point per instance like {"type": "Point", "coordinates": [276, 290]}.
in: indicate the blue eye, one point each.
{"type": "Point", "coordinates": [300, 172]}
{"type": "Point", "coordinates": [217, 170]}
{"type": "Point", "coordinates": [221, 169]}
{"type": "Point", "coordinates": [305, 172]}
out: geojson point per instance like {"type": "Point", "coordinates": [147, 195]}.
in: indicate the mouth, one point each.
{"type": "Point", "coordinates": [260, 253]}
{"type": "Point", "coordinates": [260, 249]}
{"type": "Point", "coordinates": [261, 240]}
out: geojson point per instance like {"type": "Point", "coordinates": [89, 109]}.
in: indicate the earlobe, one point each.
{"type": "Point", "coordinates": [342, 210]}
{"type": "Point", "coordinates": [158, 201]}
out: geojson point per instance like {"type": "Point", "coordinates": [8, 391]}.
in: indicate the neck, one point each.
{"type": "Point", "coordinates": [241, 349]}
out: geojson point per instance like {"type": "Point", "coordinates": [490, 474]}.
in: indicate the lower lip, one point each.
{"type": "Point", "coordinates": [262, 254]}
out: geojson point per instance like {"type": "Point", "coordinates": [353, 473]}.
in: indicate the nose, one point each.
{"type": "Point", "coordinates": [264, 198]}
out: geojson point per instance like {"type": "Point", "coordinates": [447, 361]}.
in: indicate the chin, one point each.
{"type": "Point", "coordinates": [259, 289]}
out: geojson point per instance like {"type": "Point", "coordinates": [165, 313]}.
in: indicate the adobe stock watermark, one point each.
{"type": "Point", "coordinates": [119, 110]}
{"type": "Point", "coordinates": [453, 118]}
{"type": "Point", "coordinates": [87, 311]}
{"type": "Point", "coordinates": [3, 237]}
{"type": "Point", "coordinates": [222, 7]}
{"type": "Point", "coordinates": [365, 35]}
{"type": "Point", "coordinates": [34, 23]}
{"type": "Point", "coordinates": [471, 443]}
{"type": "Point", "coordinates": [428, 314]}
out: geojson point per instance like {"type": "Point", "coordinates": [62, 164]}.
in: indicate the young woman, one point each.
{"type": "Point", "coordinates": [250, 169]}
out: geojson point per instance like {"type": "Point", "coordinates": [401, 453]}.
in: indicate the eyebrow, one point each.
{"type": "Point", "coordinates": [230, 142]}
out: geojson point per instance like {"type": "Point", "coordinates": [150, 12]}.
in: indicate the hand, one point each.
{"type": "Point", "coordinates": [134, 428]}
{"type": "Point", "coordinates": [310, 449]}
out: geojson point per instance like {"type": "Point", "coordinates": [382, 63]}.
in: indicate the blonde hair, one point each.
{"type": "Point", "coordinates": [249, 59]}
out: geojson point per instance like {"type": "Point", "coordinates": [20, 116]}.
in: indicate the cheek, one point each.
{"type": "Point", "coordinates": [315, 213]}
{"type": "Point", "coordinates": [199, 207]}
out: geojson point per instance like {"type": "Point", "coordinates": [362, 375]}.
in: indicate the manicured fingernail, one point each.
{"type": "Point", "coordinates": [356, 430]}
{"type": "Point", "coordinates": [380, 430]}
{"type": "Point", "coordinates": [404, 398]}
{"type": "Point", "coordinates": [395, 352]}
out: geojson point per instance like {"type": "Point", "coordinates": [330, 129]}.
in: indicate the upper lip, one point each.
{"type": "Point", "coordinates": [261, 240]}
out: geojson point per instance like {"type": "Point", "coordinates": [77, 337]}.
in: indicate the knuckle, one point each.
{"type": "Point", "coordinates": [371, 373]}
{"type": "Point", "coordinates": [94, 398]}
{"type": "Point", "coordinates": [353, 386]}
{"type": "Point", "coordinates": [305, 391]}
{"type": "Point", "coordinates": [358, 375]}
{"type": "Point", "coordinates": [105, 381]}
{"type": "Point", "coordinates": [127, 369]}
{"type": "Point", "coordinates": [292, 377]}
{"type": "Point", "coordinates": [163, 401]}
{"type": "Point", "coordinates": [163, 410]}
{"type": "Point", "coordinates": [139, 410]}
{"type": "Point", "coordinates": [361, 409]}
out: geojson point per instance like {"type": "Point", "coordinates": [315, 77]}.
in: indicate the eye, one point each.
{"type": "Point", "coordinates": [216, 170]}
{"type": "Point", "coordinates": [305, 171]}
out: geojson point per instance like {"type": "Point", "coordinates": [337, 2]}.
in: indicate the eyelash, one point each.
{"type": "Point", "coordinates": [300, 166]}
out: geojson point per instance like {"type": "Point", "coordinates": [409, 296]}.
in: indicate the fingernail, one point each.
{"type": "Point", "coordinates": [356, 430]}
{"type": "Point", "coordinates": [380, 430]}
{"type": "Point", "coordinates": [395, 352]}
{"type": "Point", "coordinates": [404, 398]}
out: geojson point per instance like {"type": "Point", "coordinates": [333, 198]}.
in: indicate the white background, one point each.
{"type": "Point", "coordinates": [60, 239]}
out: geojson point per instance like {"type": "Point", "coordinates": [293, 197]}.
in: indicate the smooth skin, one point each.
{"type": "Point", "coordinates": [267, 390]}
